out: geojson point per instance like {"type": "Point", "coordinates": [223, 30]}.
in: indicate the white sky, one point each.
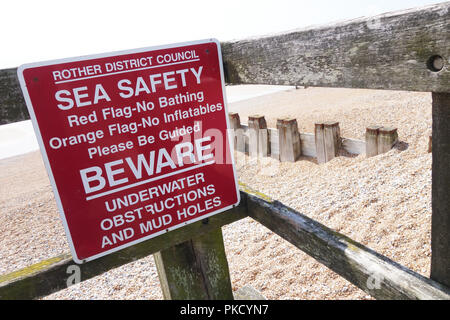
{"type": "Point", "coordinates": [40, 30]}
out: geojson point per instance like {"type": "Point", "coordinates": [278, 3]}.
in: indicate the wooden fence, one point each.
{"type": "Point", "coordinates": [406, 50]}
{"type": "Point", "coordinates": [286, 143]}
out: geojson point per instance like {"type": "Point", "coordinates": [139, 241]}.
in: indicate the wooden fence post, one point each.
{"type": "Point", "coordinates": [387, 138]}
{"type": "Point", "coordinates": [380, 140]}
{"type": "Point", "coordinates": [235, 120]}
{"type": "Point", "coordinates": [238, 133]}
{"type": "Point", "coordinates": [259, 144]}
{"type": "Point", "coordinates": [440, 220]}
{"type": "Point", "coordinates": [372, 141]}
{"type": "Point", "coordinates": [328, 139]}
{"type": "Point", "coordinates": [195, 270]}
{"type": "Point", "coordinates": [289, 140]}
{"type": "Point", "coordinates": [320, 142]}
{"type": "Point", "coordinates": [332, 137]}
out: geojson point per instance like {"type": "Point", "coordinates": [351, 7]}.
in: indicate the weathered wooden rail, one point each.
{"type": "Point", "coordinates": [406, 50]}
{"type": "Point", "coordinates": [353, 261]}
{"type": "Point", "coordinates": [397, 51]}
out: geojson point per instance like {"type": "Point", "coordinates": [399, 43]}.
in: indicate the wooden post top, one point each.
{"type": "Point", "coordinates": [257, 121]}
{"type": "Point", "coordinates": [326, 124]}
{"type": "Point", "coordinates": [318, 125]}
{"type": "Point", "coordinates": [387, 130]}
{"type": "Point", "coordinates": [286, 121]}
{"type": "Point", "coordinates": [255, 117]}
{"type": "Point", "coordinates": [373, 128]}
{"type": "Point", "coordinates": [233, 115]}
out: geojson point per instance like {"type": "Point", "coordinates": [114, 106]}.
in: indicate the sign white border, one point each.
{"type": "Point", "coordinates": [47, 163]}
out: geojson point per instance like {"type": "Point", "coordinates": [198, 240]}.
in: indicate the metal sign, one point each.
{"type": "Point", "coordinates": [135, 143]}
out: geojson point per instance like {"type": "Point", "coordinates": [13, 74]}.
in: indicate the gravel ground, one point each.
{"type": "Point", "coordinates": [383, 202]}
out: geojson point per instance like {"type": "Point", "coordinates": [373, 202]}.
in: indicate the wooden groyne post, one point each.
{"type": "Point", "coordinates": [195, 269]}
{"type": "Point", "coordinates": [288, 140]}
{"type": "Point", "coordinates": [259, 144]}
{"type": "Point", "coordinates": [328, 140]}
{"type": "Point", "coordinates": [380, 140]}
{"type": "Point", "coordinates": [237, 133]}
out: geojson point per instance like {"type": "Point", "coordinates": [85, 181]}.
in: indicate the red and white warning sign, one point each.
{"type": "Point", "coordinates": [135, 143]}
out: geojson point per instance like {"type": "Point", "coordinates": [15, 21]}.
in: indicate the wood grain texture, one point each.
{"type": "Point", "coordinates": [289, 144]}
{"type": "Point", "coordinates": [332, 137]}
{"type": "Point", "coordinates": [327, 140]}
{"type": "Point", "coordinates": [196, 269]}
{"type": "Point", "coordinates": [274, 143]}
{"type": "Point", "coordinates": [319, 133]}
{"type": "Point", "coordinates": [389, 51]}
{"type": "Point", "coordinates": [258, 137]}
{"type": "Point", "coordinates": [372, 140]}
{"type": "Point", "coordinates": [440, 190]}
{"type": "Point", "coordinates": [387, 138]}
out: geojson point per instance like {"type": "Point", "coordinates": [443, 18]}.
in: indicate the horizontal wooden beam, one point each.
{"type": "Point", "coordinates": [51, 275]}
{"type": "Point", "coordinates": [405, 50]}
{"type": "Point", "coordinates": [377, 275]}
